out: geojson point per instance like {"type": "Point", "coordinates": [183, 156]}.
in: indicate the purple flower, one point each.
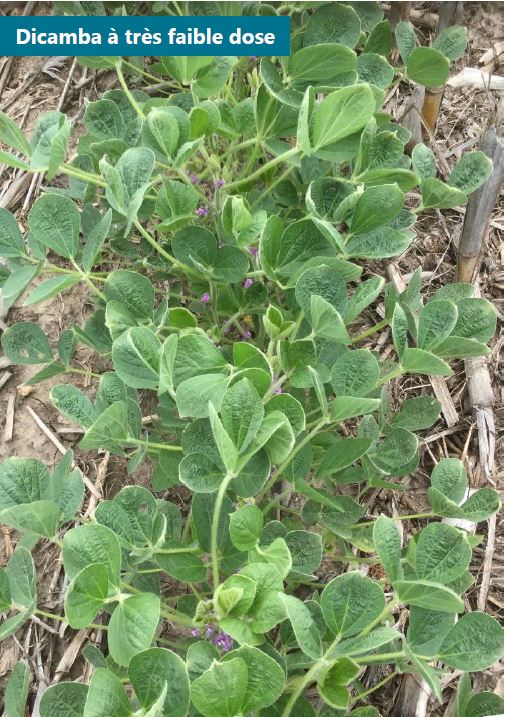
{"type": "Point", "coordinates": [218, 183]}
{"type": "Point", "coordinates": [210, 631]}
{"type": "Point", "coordinates": [248, 283]}
{"type": "Point", "coordinates": [194, 179]}
{"type": "Point", "coordinates": [201, 212]}
{"type": "Point", "coordinates": [278, 390]}
{"type": "Point", "coordinates": [252, 58]}
{"type": "Point", "coordinates": [195, 632]}
{"type": "Point", "coordinates": [205, 298]}
{"type": "Point", "coordinates": [246, 335]}
{"type": "Point", "coordinates": [253, 250]}
{"type": "Point", "coordinates": [223, 641]}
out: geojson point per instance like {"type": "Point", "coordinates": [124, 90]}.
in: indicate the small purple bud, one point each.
{"type": "Point", "coordinates": [253, 250]}
{"type": "Point", "coordinates": [278, 390]}
{"type": "Point", "coordinates": [210, 630]}
{"type": "Point", "coordinates": [218, 183]}
{"type": "Point", "coordinates": [248, 283]}
{"type": "Point", "coordinates": [246, 335]}
{"type": "Point", "coordinates": [223, 641]}
{"type": "Point", "coordinates": [252, 58]}
{"type": "Point", "coordinates": [195, 632]}
{"type": "Point", "coordinates": [201, 212]}
{"type": "Point", "coordinates": [194, 179]}
{"type": "Point", "coordinates": [205, 298]}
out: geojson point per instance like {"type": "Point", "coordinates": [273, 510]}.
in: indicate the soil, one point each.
{"type": "Point", "coordinates": [32, 86]}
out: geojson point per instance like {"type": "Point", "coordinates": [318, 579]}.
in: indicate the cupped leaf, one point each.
{"type": "Point", "coordinates": [149, 671]}
{"type": "Point", "coordinates": [86, 595]}
{"type": "Point", "coordinates": [54, 222]}
{"type": "Point", "coordinates": [474, 643]}
{"type": "Point", "coordinates": [350, 602]}
{"type": "Point", "coordinates": [427, 66]}
{"type": "Point", "coordinates": [26, 343]}
{"type": "Point", "coordinates": [132, 626]}
{"type": "Point", "coordinates": [442, 553]}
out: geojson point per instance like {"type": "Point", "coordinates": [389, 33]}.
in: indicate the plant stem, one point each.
{"type": "Point", "coordinates": [126, 90]}
{"type": "Point", "coordinates": [375, 687]}
{"type": "Point", "coordinates": [309, 677]}
{"type": "Point", "coordinates": [413, 516]}
{"type": "Point", "coordinates": [149, 444]}
{"type": "Point", "coordinates": [215, 528]}
{"type": "Point", "coordinates": [177, 551]}
{"type": "Point", "coordinates": [152, 242]}
{"type": "Point", "coordinates": [83, 373]}
{"type": "Point", "coordinates": [264, 168]}
{"type": "Point", "coordinates": [369, 332]}
{"type": "Point", "coordinates": [378, 658]}
{"type": "Point", "coordinates": [82, 175]}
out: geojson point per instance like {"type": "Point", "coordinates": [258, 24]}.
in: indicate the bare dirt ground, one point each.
{"type": "Point", "coordinates": [31, 86]}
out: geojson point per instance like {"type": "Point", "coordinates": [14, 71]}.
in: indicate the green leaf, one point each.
{"type": "Point", "coordinates": [86, 595]}
{"type": "Point", "coordinates": [242, 413]}
{"type": "Point", "coordinates": [194, 395]}
{"type": "Point", "coordinates": [16, 691]}
{"type": "Point", "coordinates": [54, 222]}
{"type": "Point", "coordinates": [396, 450]}
{"type": "Point", "coordinates": [427, 630]}
{"type": "Point", "coordinates": [5, 592]}
{"type": "Point", "coordinates": [474, 643]}
{"type": "Point", "coordinates": [11, 135]}
{"type": "Point", "coordinates": [429, 595]}
{"type": "Point", "coordinates": [417, 413]}
{"type": "Point", "coordinates": [135, 355]}
{"type": "Point", "coordinates": [333, 24]}
{"type": "Point", "coordinates": [303, 625]}
{"type": "Point", "coordinates": [40, 517]}
{"type": "Point", "coordinates": [355, 373]}
{"type": "Point", "coordinates": [11, 161]}
{"type": "Point", "coordinates": [380, 243]}
{"type": "Point", "coordinates": [442, 553]}
{"type": "Point", "coordinates": [424, 362]}
{"type": "Point", "coordinates": [212, 78]}
{"type": "Point", "coordinates": [477, 319]}
{"type": "Point", "coordinates": [323, 281]}
{"type": "Point", "coordinates": [132, 626]}
{"type": "Point", "coordinates": [266, 679]}
{"type": "Point", "coordinates": [341, 113]}
{"type": "Point", "coordinates": [356, 646]}
{"type": "Point", "coordinates": [109, 431]}
{"type": "Point", "coordinates": [380, 39]}
{"type": "Point", "coordinates": [221, 690]}
{"type": "Point", "coordinates": [246, 525]}
{"type": "Point", "coordinates": [484, 704]}
{"type": "Point", "coordinates": [26, 343]}
{"type": "Point", "coordinates": [438, 195]}
{"type": "Point", "coordinates": [200, 473]}
{"type": "Point", "coordinates": [388, 544]}
{"type": "Point", "coordinates": [428, 67]}
{"type": "Point", "coordinates": [406, 39]}
{"type": "Point", "coordinates": [452, 42]}
{"type": "Point", "coordinates": [481, 505]}
{"type": "Point", "coordinates": [374, 69]}
{"type": "Point", "coordinates": [470, 172]}
{"type": "Point", "coordinates": [350, 602]}
{"type": "Point", "coordinates": [133, 291]}
{"type": "Point", "coordinates": [224, 443]}
{"type": "Point", "coordinates": [51, 287]}
{"type": "Point", "coordinates": [341, 454]}
{"type": "Point", "coordinates": [333, 680]}
{"type": "Point", "coordinates": [150, 671]}
{"type": "Point", "coordinates": [326, 321]}
{"type": "Point", "coordinates": [449, 476]}
{"type": "Point", "coordinates": [64, 698]}
{"type": "Point", "coordinates": [128, 181]}
{"type": "Point", "coordinates": [276, 554]}
{"type": "Point", "coordinates": [437, 321]}
{"type": "Point", "coordinates": [423, 161]}
{"type": "Point", "coordinates": [90, 544]}
{"type": "Point", "coordinates": [345, 407]}
{"type": "Point", "coordinates": [306, 550]}
{"type": "Point", "coordinates": [319, 62]}
{"type": "Point", "coordinates": [73, 404]}
{"type": "Point", "coordinates": [106, 696]}
{"type": "Point", "coordinates": [161, 133]}
{"type": "Point", "coordinates": [20, 571]}
{"type": "Point", "coordinates": [12, 245]}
